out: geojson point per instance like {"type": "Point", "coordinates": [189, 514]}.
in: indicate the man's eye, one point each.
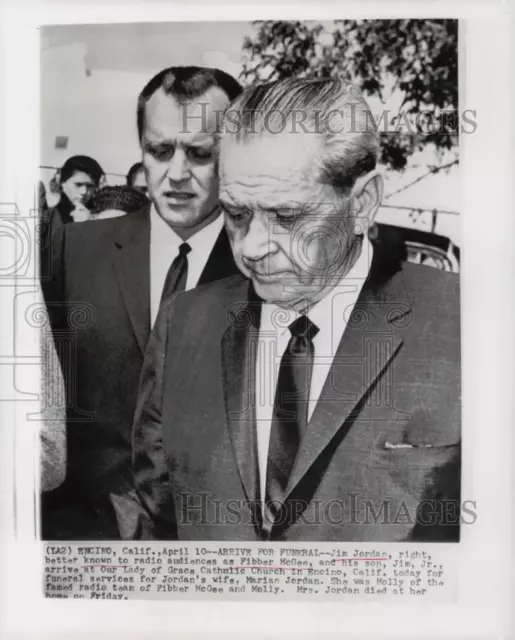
{"type": "Point", "coordinates": [285, 219]}
{"type": "Point", "coordinates": [160, 153]}
{"type": "Point", "coordinates": [200, 154]}
{"type": "Point", "coordinates": [236, 214]}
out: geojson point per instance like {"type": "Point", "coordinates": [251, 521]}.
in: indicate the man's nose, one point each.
{"type": "Point", "coordinates": [257, 243]}
{"type": "Point", "coordinates": [178, 168]}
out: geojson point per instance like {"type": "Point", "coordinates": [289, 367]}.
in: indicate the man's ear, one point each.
{"type": "Point", "coordinates": [366, 198]}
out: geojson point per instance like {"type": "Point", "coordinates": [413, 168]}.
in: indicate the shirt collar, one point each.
{"type": "Point", "coordinates": [200, 241]}
{"type": "Point", "coordinates": [352, 284]}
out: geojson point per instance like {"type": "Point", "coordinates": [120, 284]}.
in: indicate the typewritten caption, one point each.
{"type": "Point", "coordinates": [160, 571]}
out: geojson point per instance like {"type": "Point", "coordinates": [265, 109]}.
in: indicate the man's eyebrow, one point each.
{"type": "Point", "coordinates": [196, 136]}
{"type": "Point", "coordinates": [159, 143]}
{"type": "Point", "coordinates": [198, 144]}
{"type": "Point", "coordinates": [193, 144]}
{"type": "Point", "coordinates": [285, 206]}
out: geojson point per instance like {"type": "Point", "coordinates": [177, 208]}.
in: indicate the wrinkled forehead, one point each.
{"type": "Point", "coordinates": [167, 118]}
{"type": "Point", "coordinates": [284, 159]}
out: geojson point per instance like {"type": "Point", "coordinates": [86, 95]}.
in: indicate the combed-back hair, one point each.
{"type": "Point", "coordinates": [184, 84]}
{"type": "Point", "coordinates": [329, 107]}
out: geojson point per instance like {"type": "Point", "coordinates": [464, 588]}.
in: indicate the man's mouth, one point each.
{"type": "Point", "coordinates": [179, 196]}
{"type": "Point", "coordinates": [268, 276]}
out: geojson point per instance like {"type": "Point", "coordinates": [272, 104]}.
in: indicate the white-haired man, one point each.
{"type": "Point", "coordinates": [316, 396]}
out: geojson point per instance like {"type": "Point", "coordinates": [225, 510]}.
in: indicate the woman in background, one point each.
{"type": "Point", "coordinates": [80, 177]}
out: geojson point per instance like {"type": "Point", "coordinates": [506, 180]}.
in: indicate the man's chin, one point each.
{"type": "Point", "coordinates": [178, 217]}
{"type": "Point", "coordinates": [273, 292]}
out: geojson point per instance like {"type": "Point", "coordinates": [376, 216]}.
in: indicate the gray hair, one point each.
{"type": "Point", "coordinates": [350, 148]}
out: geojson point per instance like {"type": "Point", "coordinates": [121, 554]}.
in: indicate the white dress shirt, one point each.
{"type": "Point", "coordinates": [164, 248]}
{"type": "Point", "coordinates": [330, 315]}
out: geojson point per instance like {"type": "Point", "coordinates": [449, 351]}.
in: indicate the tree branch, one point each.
{"type": "Point", "coordinates": [433, 169]}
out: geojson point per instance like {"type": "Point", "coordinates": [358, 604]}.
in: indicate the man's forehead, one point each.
{"type": "Point", "coordinates": [165, 116]}
{"type": "Point", "coordinates": [285, 156]}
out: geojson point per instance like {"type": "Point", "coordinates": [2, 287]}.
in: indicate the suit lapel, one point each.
{"type": "Point", "coordinates": [220, 263]}
{"type": "Point", "coordinates": [131, 254]}
{"type": "Point", "coordinates": [369, 345]}
{"type": "Point", "coordinates": [239, 352]}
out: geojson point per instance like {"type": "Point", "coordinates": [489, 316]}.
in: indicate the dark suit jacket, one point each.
{"type": "Point", "coordinates": [96, 281]}
{"type": "Point", "coordinates": [380, 460]}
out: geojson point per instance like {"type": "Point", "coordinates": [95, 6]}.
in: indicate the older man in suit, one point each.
{"type": "Point", "coordinates": [104, 280]}
{"type": "Point", "coordinates": [316, 396]}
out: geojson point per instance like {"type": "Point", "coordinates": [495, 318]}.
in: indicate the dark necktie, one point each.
{"type": "Point", "coordinates": [290, 414]}
{"type": "Point", "coordinates": [177, 273]}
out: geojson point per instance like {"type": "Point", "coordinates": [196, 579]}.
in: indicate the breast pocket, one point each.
{"type": "Point", "coordinates": [420, 471]}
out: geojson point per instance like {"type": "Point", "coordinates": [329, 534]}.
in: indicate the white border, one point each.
{"type": "Point", "coordinates": [488, 356]}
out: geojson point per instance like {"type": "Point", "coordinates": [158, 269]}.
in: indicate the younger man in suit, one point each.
{"type": "Point", "coordinates": [103, 281]}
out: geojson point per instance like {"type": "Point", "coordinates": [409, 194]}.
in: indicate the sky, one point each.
{"type": "Point", "coordinates": [91, 76]}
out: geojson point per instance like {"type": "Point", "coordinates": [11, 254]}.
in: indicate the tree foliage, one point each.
{"type": "Point", "coordinates": [412, 63]}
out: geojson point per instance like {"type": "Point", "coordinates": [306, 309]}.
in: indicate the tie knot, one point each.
{"type": "Point", "coordinates": [303, 328]}
{"type": "Point", "coordinates": [184, 249]}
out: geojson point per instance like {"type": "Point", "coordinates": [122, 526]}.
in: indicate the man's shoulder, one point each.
{"type": "Point", "coordinates": [217, 295]}
{"type": "Point", "coordinates": [85, 243]}
{"type": "Point", "coordinates": [96, 228]}
{"type": "Point", "coordinates": [430, 284]}
{"type": "Point", "coordinates": [434, 298]}
{"type": "Point", "coordinates": [432, 276]}
{"type": "Point", "coordinates": [230, 290]}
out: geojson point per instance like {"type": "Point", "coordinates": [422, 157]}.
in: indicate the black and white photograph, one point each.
{"type": "Point", "coordinates": [250, 246]}
{"type": "Point", "coordinates": [257, 353]}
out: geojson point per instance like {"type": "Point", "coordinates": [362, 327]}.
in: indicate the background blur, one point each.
{"type": "Point", "coordinates": [91, 76]}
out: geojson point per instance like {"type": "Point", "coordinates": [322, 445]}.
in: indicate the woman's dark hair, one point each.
{"type": "Point", "coordinates": [84, 164]}
{"type": "Point", "coordinates": [133, 172]}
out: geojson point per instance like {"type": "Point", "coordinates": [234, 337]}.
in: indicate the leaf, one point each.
{"type": "Point", "coordinates": [418, 57]}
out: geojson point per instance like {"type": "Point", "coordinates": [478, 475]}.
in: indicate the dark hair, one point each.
{"type": "Point", "coordinates": [118, 197]}
{"type": "Point", "coordinates": [81, 163]}
{"type": "Point", "coordinates": [133, 172]}
{"type": "Point", "coordinates": [186, 83]}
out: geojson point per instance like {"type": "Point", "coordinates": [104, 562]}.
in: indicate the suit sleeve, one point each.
{"type": "Point", "coordinates": [147, 512]}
